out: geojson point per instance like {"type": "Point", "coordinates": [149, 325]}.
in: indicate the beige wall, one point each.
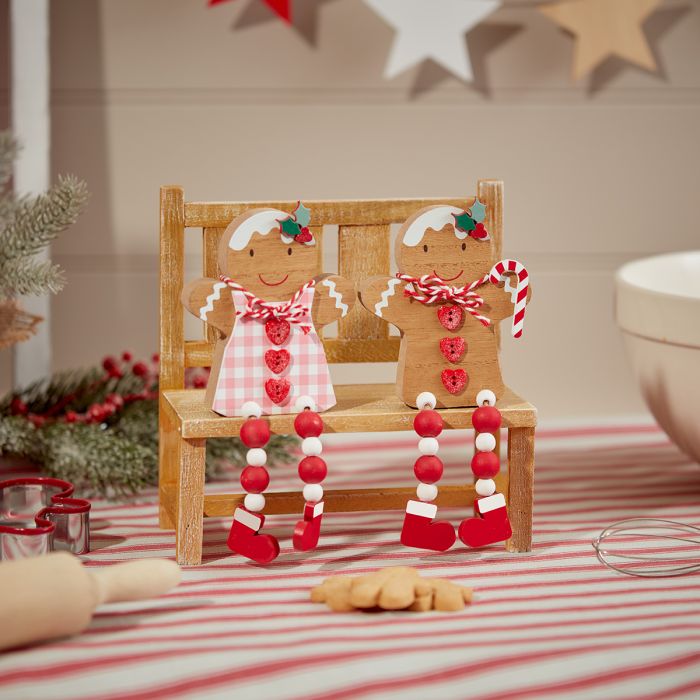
{"type": "Point", "coordinates": [221, 100]}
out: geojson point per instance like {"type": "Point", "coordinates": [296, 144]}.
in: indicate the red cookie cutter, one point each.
{"type": "Point", "coordinates": [38, 515]}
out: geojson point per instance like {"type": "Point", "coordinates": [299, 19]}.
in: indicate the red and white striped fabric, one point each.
{"type": "Point", "coordinates": [551, 623]}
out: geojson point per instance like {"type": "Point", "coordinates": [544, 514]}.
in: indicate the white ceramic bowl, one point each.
{"type": "Point", "coordinates": [658, 310]}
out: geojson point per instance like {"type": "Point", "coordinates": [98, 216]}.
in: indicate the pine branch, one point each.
{"type": "Point", "coordinates": [9, 148]}
{"type": "Point", "coordinates": [38, 221]}
{"type": "Point", "coordinates": [30, 276]}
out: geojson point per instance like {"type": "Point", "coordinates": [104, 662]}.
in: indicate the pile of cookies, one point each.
{"type": "Point", "coordinates": [393, 588]}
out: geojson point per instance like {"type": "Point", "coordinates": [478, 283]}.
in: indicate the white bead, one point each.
{"type": "Point", "coordinates": [313, 493]}
{"type": "Point", "coordinates": [311, 446]}
{"type": "Point", "coordinates": [427, 492]}
{"type": "Point", "coordinates": [428, 446]}
{"type": "Point", "coordinates": [254, 502]}
{"type": "Point", "coordinates": [425, 398]}
{"type": "Point", "coordinates": [250, 408]}
{"type": "Point", "coordinates": [485, 442]}
{"type": "Point", "coordinates": [485, 487]}
{"type": "Point", "coordinates": [303, 402]}
{"type": "Point", "coordinates": [256, 457]}
{"type": "Point", "coordinates": [486, 395]}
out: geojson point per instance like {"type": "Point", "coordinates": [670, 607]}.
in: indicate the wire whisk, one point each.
{"type": "Point", "coordinates": [649, 547]}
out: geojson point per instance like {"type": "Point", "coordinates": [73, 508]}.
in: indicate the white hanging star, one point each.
{"type": "Point", "coordinates": [431, 29]}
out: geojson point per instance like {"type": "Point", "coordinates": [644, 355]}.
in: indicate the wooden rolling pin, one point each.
{"type": "Point", "coordinates": [55, 595]}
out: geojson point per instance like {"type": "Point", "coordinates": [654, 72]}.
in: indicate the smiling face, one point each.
{"type": "Point", "coordinates": [442, 254]}
{"type": "Point", "coordinates": [268, 267]}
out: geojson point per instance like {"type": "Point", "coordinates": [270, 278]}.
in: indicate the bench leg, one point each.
{"type": "Point", "coordinates": [190, 506]}
{"type": "Point", "coordinates": [521, 476]}
{"type": "Point", "coordinates": [168, 471]}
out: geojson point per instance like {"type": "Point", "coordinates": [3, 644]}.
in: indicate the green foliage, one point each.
{"type": "Point", "coordinates": [29, 224]}
{"type": "Point", "coordinates": [464, 222]}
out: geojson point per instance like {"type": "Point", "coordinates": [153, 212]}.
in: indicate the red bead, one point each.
{"type": "Point", "coordinates": [308, 424]}
{"type": "Point", "coordinates": [255, 432]}
{"type": "Point", "coordinates": [428, 469]}
{"type": "Point", "coordinates": [427, 423]}
{"type": "Point", "coordinates": [486, 419]}
{"type": "Point", "coordinates": [255, 479]}
{"type": "Point", "coordinates": [485, 465]}
{"type": "Point", "coordinates": [312, 470]}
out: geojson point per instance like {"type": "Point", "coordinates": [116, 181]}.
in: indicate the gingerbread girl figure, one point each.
{"type": "Point", "coordinates": [445, 300]}
{"type": "Point", "coordinates": [268, 308]}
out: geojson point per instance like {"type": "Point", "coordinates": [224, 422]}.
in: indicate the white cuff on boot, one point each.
{"type": "Point", "coordinates": [425, 510]}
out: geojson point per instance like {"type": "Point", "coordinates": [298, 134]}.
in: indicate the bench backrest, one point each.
{"type": "Point", "coordinates": [362, 337]}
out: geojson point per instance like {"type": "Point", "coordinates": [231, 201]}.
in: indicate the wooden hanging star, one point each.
{"type": "Point", "coordinates": [605, 28]}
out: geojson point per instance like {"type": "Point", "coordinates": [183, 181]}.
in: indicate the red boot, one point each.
{"type": "Point", "coordinates": [493, 525]}
{"type": "Point", "coordinates": [307, 531]}
{"type": "Point", "coordinates": [420, 531]}
{"type": "Point", "coordinates": [245, 540]}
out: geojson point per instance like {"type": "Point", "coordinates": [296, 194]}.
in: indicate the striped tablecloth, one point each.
{"type": "Point", "coordinates": [551, 623]}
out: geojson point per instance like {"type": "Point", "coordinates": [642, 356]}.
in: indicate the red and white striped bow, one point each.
{"type": "Point", "coordinates": [429, 289]}
{"type": "Point", "coordinates": [291, 310]}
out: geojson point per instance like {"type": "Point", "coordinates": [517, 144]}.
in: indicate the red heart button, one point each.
{"type": "Point", "coordinates": [454, 380]}
{"type": "Point", "coordinates": [277, 389]}
{"type": "Point", "coordinates": [277, 360]}
{"type": "Point", "coordinates": [453, 348]}
{"type": "Point", "coordinates": [277, 330]}
{"type": "Point", "coordinates": [450, 316]}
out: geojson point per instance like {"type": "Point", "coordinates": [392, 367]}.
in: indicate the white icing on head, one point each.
{"type": "Point", "coordinates": [435, 218]}
{"type": "Point", "coordinates": [261, 222]}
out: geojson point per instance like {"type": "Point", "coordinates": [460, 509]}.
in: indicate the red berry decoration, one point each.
{"type": "Point", "coordinates": [277, 330]}
{"type": "Point", "coordinates": [486, 419]}
{"type": "Point", "coordinates": [308, 424]}
{"type": "Point", "coordinates": [453, 349]}
{"type": "Point", "coordinates": [428, 469]}
{"type": "Point", "coordinates": [479, 232]}
{"type": "Point", "coordinates": [71, 416]}
{"type": "Point", "coordinates": [312, 470]}
{"type": "Point", "coordinates": [485, 465]}
{"type": "Point", "coordinates": [454, 380]}
{"type": "Point", "coordinates": [255, 432]}
{"type": "Point", "coordinates": [18, 407]}
{"type": "Point", "coordinates": [450, 316]}
{"type": "Point", "coordinates": [114, 400]}
{"type": "Point", "coordinates": [277, 360]}
{"type": "Point", "coordinates": [127, 356]}
{"type": "Point", "coordinates": [255, 479]}
{"type": "Point", "coordinates": [199, 382]}
{"type": "Point", "coordinates": [428, 423]}
{"type": "Point", "coordinates": [277, 389]}
{"type": "Point", "coordinates": [140, 369]}
{"type": "Point", "coordinates": [109, 363]}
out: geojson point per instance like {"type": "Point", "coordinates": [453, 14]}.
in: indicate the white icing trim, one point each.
{"type": "Point", "coordinates": [425, 510]}
{"type": "Point", "coordinates": [384, 300]}
{"type": "Point", "coordinates": [335, 294]}
{"type": "Point", "coordinates": [248, 519]}
{"type": "Point", "coordinates": [490, 503]}
{"type": "Point", "coordinates": [436, 218]}
{"type": "Point", "coordinates": [214, 296]}
{"type": "Point", "coordinates": [261, 222]}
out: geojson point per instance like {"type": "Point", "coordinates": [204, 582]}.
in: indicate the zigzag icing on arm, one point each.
{"type": "Point", "coordinates": [214, 296]}
{"type": "Point", "coordinates": [335, 294]}
{"type": "Point", "coordinates": [384, 300]}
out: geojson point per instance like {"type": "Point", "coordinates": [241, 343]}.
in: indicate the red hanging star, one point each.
{"type": "Point", "coordinates": [282, 8]}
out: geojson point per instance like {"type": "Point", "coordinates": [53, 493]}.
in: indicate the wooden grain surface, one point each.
{"type": "Point", "coordinates": [360, 408]}
{"type": "Point", "coordinates": [190, 502]}
{"type": "Point", "coordinates": [521, 484]}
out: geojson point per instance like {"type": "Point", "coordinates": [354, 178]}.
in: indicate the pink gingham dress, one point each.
{"type": "Point", "coordinates": [244, 372]}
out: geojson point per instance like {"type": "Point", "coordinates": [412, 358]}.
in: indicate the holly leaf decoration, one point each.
{"type": "Point", "coordinates": [478, 211]}
{"type": "Point", "coordinates": [302, 215]}
{"type": "Point", "coordinates": [289, 227]}
{"type": "Point", "coordinates": [464, 222]}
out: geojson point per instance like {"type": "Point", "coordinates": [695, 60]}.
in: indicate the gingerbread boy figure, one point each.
{"type": "Point", "coordinates": [268, 307]}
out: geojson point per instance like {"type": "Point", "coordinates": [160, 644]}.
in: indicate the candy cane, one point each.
{"type": "Point", "coordinates": [498, 274]}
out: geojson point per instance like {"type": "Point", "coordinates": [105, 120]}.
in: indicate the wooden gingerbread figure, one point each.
{"type": "Point", "coordinates": [445, 300]}
{"type": "Point", "coordinates": [268, 308]}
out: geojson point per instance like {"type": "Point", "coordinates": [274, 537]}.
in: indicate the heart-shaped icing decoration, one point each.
{"type": "Point", "coordinates": [277, 360]}
{"type": "Point", "coordinates": [454, 380]}
{"type": "Point", "coordinates": [450, 316]}
{"type": "Point", "coordinates": [277, 389]}
{"type": "Point", "coordinates": [453, 348]}
{"type": "Point", "coordinates": [277, 330]}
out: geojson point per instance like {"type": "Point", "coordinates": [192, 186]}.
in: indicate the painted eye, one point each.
{"type": "Point", "coordinates": [289, 251]}
{"type": "Point", "coordinates": [252, 252]}
{"type": "Point", "coordinates": [425, 248]}
{"type": "Point", "coordinates": [464, 246]}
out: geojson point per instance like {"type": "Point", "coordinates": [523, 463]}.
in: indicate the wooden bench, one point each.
{"type": "Point", "coordinates": [185, 423]}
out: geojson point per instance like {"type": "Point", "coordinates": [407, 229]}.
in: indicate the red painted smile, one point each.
{"type": "Point", "coordinates": [448, 279]}
{"type": "Point", "coordinates": [277, 284]}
